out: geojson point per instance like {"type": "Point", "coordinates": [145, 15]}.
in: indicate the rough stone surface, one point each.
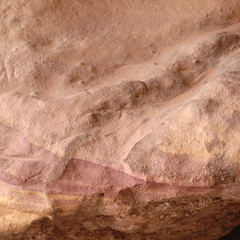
{"type": "Point", "coordinates": [119, 119]}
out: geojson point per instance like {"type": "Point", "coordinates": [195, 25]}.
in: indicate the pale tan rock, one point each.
{"type": "Point", "coordinates": [119, 119]}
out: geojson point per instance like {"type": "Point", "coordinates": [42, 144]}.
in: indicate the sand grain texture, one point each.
{"type": "Point", "coordinates": [119, 119]}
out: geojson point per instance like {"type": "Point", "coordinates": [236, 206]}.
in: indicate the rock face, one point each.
{"type": "Point", "coordinates": [119, 119]}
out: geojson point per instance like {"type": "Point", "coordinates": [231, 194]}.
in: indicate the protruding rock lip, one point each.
{"type": "Point", "coordinates": [28, 180]}
{"type": "Point", "coordinates": [83, 178]}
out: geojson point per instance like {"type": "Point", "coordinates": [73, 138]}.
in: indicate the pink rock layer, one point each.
{"type": "Point", "coordinates": [119, 119]}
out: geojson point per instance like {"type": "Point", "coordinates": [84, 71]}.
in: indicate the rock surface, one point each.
{"type": "Point", "coordinates": [119, 119]}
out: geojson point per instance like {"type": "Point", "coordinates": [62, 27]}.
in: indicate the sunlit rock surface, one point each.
{"type": "Point", "coordinates": [119, 119]}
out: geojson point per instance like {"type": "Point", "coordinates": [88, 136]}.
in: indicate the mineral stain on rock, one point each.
{"type": "Point", "coordinates": [119, 119]}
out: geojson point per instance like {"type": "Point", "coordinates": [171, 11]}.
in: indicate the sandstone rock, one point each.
{"type": "Point", "coordinates": [119, 119]}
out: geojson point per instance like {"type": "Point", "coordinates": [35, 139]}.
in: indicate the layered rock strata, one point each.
{"type": "Point", "coordinates": [117, 123]}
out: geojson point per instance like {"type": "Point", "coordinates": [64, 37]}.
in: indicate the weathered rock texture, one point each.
{"type": "Point", "coordinates": [119, 119]}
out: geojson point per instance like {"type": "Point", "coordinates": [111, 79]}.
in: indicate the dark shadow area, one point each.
{"type": "Point", "coordinates": [233, 235]}
{"type": "Point", "coordinates": [73, 226]}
